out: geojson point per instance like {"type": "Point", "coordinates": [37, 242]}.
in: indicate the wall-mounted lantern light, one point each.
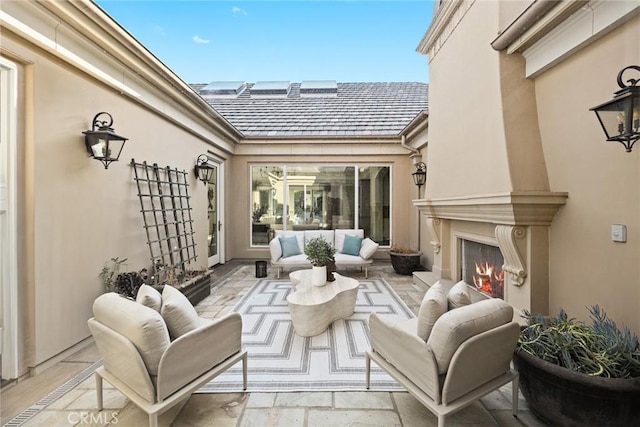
{"type": "Point", "coordinates": [420, 175]}
{"type": "Point", "coordinates": [104, 143]}
{"type": "Point", "coordinates": [620, 117]}
{"type": "Point", "coordinates": [203, 169]}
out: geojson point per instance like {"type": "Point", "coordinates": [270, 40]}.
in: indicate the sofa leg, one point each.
{"type": "Point", "coordinates": [244, 372]}
{"type": "Point", "coordinates": [368, 370]}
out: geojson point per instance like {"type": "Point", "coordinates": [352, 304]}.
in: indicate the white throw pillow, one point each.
{"type": "Point", "coordinates": [434, 305]}
{"type": "Point", "coordinates": [458, 295]}
{"type": "Point", "coordinates": [178, 313]}
{"type": "Point", "coordinates": [368, 248]}
{"type": "Point", "coordinates": [149, 297]}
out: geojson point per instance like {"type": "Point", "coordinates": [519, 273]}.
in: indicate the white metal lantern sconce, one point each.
{"type": "Point", "coordinates": [103, 144]}
{"type": "Point", "coordinates": [203, 169]}
{"type": "Point", "coordinates": [620, 117]}
{"type": "Point", "coordinates": [420, 175]}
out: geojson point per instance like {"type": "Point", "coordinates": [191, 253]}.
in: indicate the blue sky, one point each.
{"type": "Point", "coordinates": [348, 41]}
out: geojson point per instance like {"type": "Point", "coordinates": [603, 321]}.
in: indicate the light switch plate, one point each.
{"type": "Point", "coordinates": [619, 233]}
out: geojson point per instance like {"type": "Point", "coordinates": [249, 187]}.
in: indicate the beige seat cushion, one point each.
{"type": "Point", "coordinates": [456, 326]}
{"type": "Point", "coordinates": [141, 325]}
{"type": "Point", "coordinates": [434, 305]}
{"type": "Point", "coordinates": [150, 297]}
{"type": "Point", "coordinates": [458, 295]}
{"type": "Point", "coordinates": [178, 313]}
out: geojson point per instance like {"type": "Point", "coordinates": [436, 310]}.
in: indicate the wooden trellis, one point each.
{"type": "Point", "coordinates": [166, 212]}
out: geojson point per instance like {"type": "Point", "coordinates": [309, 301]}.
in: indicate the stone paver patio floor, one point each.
{"type": "Point", "coordinates": [77, 407]}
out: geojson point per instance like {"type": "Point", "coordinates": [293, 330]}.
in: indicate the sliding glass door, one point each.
{"type": "Point", "coordinates": [320, 197]}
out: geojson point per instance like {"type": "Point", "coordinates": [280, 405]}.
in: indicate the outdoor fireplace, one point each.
{"type": "Point", "coordinates": [481, 267]}
{"type": "Point", "coordinates": [505, 234]}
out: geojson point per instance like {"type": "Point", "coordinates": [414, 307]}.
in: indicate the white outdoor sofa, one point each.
{"type": "Point", "coordinates": [283, 258]}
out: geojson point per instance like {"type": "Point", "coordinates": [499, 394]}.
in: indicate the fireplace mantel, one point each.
{"type": "Point", "coordinates": [509, 208]}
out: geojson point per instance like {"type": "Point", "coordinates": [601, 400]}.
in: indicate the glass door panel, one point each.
{"type": "Point", "coordinates": [215, 225]}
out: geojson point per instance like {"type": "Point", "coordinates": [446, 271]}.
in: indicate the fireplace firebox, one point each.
{"type": "Point", "coordinates": [481, 267]}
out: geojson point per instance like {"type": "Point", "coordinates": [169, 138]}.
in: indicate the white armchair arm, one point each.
{"type": "Point", "coordinates": [122, 359]}
{"type": "Point", "coordinates": [183, 361]}
{"type": "Point", "coordinates": [416, 360]}
{"type": "Point", "coordinates": [480, 359]}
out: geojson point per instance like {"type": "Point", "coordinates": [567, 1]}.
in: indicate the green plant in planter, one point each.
{"type": "Point", "coordinates": [319, 252]}
{"type": "Point", "coordinates": [599, 349]}
{"type": "Point", "coordinates": [110, 272]}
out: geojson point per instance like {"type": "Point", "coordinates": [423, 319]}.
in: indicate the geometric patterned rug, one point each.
{"type": "Point", "coordinates": [281, 361]}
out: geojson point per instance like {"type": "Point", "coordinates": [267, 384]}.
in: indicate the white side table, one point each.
{"type": "Point", "coordinates": [314, 308]}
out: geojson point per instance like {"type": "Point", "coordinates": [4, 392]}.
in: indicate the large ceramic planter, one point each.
{"type": "Point", "coordinates": [405, 264]}
{"type": "Point", "coordinates": [567, 398]}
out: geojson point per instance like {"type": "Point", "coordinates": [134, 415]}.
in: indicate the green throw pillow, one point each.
{"type": "Point", "coordinates": [352, 245]}
{"type": "Point", "coordinates": [289, 246]}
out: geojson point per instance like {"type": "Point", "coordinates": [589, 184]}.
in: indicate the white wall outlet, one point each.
{"type": "Point", "coordinates": [619, 233]}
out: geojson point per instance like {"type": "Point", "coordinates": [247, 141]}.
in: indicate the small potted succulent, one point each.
{"type": "Point", "coordinates": [321, 255]}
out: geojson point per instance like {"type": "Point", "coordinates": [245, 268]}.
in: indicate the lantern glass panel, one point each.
{"type": "Point", "coordinates": [620, 118]}
{"type": "Point", "coordinates": [613, 118]}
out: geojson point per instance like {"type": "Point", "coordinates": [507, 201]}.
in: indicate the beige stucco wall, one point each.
{"type": "Point", "coordinates": [481, 104]}
{"type": "Point", "coordinates": [75, 215]}
{"type": "Point", "coordinates": [463, 118]}
{"type": "Point", "coordinates": [603, 182]}
{"type": "Point", "coordinates": [538, 134]}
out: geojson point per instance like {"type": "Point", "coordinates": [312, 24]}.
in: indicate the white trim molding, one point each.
{"type": "Point", "coordinates": [583, 27]}
{"type": "Point", "coordinates": [511, 208]}
{"type": "Point", "coordinates": [446, 19]}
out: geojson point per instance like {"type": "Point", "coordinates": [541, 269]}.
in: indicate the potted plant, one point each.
{"type": "Point", "coordinates": [577, 374]}
{"type": "Point", "coordinates": [321, 254]}
{"type": "Point", "coordinates": [110, 271]}
{"type": "Point", "coordinates": [404, 259]}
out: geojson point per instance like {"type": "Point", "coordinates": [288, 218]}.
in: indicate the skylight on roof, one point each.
{"type": "Point", "coordinates": [279, 88]}
{"type": "Point", "coordinates": [229, 88]}
{"type": "Point", "coordinates": [319, 88]}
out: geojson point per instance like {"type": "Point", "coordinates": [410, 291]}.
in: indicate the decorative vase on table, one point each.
{"type": "Point", "coordinates": [319, 275]}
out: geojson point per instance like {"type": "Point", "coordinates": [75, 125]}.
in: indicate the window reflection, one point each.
{"type": "Point", "coordinates": [312, 197]}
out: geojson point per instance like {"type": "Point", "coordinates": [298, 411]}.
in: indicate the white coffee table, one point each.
{"type": "Point", "coordinates": [314, 308]}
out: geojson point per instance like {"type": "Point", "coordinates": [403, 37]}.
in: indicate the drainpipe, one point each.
{"type": "Point", "coordinates": [415, 153]}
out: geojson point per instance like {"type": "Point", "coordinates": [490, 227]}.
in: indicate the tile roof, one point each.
{"type": "Point", "coordinates": [358, 109]}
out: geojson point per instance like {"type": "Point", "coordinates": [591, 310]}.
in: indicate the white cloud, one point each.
{"type": "Point", "coordinates": [200, 40]}
{"type": "Point", "coordinates": [237, 11]}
